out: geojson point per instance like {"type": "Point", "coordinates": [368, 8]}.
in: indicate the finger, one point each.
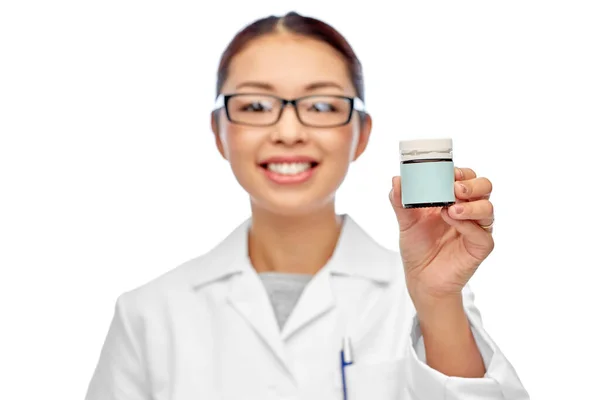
{"type": "Point", "coordinates": [462, 174]}
{"type": "Point", "coordinates": [480, 211]}
{"type": "Point", "coordinates": [479, 241]}
{"type": "Point", "coordinates": [472, 189]}
{"type": "Point", "coordinates": [406, 217]}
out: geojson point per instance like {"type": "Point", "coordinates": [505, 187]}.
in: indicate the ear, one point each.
{"type": "Point", "coordinates": [365, 134]}
{"type": "Point", "coordinates": [214, 123]}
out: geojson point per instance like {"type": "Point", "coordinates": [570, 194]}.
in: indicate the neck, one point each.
{"type": "Point", "coordinates": [293, 244]}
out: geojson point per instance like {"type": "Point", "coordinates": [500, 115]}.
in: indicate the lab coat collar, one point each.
{"type": "Point", "coordinates": [358, 254]}
{"type": "Point", "coordinates": [229, 257]}
{"type": "Point", "coordinates": [353, 256]}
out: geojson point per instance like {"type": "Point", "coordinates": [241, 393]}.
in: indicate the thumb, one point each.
{"type": "Point", "coordinates": [406, 216]}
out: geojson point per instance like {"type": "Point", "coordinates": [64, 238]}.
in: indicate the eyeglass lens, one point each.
{"type": "Point", "coordinates": [256, 109]}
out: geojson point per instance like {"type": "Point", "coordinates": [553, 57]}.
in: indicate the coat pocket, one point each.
{"type": "Point", "coordinates": [385, 380]}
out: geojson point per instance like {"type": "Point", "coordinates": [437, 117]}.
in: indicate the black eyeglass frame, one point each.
{"type": "Point", "coordinates": [222, 101]}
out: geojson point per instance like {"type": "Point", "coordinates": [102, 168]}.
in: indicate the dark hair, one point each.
{"type": "Point", "coordinates": [294, 23]}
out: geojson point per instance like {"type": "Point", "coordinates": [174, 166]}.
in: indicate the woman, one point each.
{"type": "Point", "coordinates": [267, 312]}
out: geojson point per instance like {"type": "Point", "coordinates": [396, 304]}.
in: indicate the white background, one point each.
{"type": "Point", "coordinates": [110, 177]}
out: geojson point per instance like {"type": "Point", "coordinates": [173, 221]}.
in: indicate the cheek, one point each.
{"type": "Point", "coordinates": [241, 148]}
{"type": "Point", "coordinates": [340, 144]}
{"type": "Point", "coordinates": [235, 143]}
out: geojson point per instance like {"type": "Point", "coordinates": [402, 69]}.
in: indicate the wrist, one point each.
{"type": "Point", "coordinates": [432, 308]}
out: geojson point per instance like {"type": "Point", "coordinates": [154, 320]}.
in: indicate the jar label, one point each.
{"type": "Point", "coordinates": [427, 182]}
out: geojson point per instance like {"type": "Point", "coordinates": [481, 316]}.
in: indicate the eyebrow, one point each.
{"type": "Point", "coordinates": [310, 87]}
{"type": "Point", "coordinates": [323, 84]}
{"type": "Point", "coordinates": [253, 84]}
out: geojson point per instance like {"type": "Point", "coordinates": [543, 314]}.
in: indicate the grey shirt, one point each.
{"type": "Point", "coordinates": [284, 290]}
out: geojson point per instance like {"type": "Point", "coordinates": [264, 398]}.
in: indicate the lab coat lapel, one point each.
{"type": "Point", "coordinates": [315, 301]}
{"type": "Point", "coordinates": [248, 297]}
{"type": "Point", "coordinates": [246, 294]}
{"type": "Point", "coordinates": [356, 254]}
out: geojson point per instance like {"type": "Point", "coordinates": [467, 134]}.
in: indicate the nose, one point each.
{"type": "Point", "coordinates": [288, 129]}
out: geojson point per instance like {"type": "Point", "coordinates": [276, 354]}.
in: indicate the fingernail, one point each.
{"type": "Point", "coordinates": [458, 209]}
{"type": "Point", "coordinates": [463, 188]}
{"type": "Point", "coordinates": [460, 172]}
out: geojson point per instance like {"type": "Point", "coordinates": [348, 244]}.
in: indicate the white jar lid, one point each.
{"type": "Point", "coordinates": [426, 145]}
{"type": "Point", "coordinates": [425, 149]}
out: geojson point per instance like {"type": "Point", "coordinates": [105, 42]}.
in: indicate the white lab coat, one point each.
{"type": "Point", "coordinates": [206, 330]}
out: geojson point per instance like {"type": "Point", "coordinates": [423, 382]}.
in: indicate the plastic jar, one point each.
{"type": "Point", "coordinates": [427, 171]}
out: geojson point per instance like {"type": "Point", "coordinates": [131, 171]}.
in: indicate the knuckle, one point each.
{"type": "Point", "coordinates": [469, 209]}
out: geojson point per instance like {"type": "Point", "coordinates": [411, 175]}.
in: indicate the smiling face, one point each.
{"type": "Point", "coordinates": [289, 168]}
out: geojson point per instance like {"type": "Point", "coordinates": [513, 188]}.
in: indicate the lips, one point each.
{"type": "Point", "coordinates": [289, 160]}
{"type": "Point", "coordinates": [289, 169]}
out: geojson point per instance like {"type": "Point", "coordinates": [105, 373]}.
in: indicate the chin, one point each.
{"type": "Point", "coordinates": [291, 207]}
{"type": "Point", "coordinates": [292, 200]}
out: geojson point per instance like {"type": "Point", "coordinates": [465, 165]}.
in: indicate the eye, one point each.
{"type": "Point", "coordinates": [322, 106]}
{"type": "Point", "coordinates": [256, 106]}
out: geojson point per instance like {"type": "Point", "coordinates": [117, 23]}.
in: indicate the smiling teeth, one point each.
{"type": "Point", "coordinates": [289, 168]}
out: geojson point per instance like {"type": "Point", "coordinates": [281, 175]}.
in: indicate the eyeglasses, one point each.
{"type": "Point", "coordinates": [319, 111]}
